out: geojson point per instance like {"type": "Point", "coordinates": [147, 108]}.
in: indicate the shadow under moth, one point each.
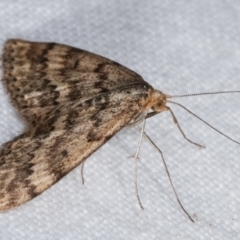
{"type": "Point", "coordinates": [73, 102]}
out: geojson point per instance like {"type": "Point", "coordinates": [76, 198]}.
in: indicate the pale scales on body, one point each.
{"type": "Point", "coordinates": [73, 101]}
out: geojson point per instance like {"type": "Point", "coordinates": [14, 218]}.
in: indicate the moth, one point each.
{"type": "Point", "coordinates": [73, 102]}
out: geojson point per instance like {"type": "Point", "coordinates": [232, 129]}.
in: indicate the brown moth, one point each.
{"type": "Point", "coordinates": [73, 101]}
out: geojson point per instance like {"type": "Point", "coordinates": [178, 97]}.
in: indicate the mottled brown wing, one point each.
{"type": "Point", "coordinates": [48, 74]}
{"type": "Point", "coordinates": [63, 131]}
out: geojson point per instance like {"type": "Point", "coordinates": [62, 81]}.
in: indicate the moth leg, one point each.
{"type": "Point", "coordinates": [137, 120]}
{"type": "Point", "coordinates": [135, 160]}
{"type": "Point", "coordinates": [151, 114]}
{"type": "Point", "coordinates": [180, 129]}
{"type": "Point", "coordinates": [82, 175]}
{"type": "Point", "coordinates": [168, 174]}
{"type": "Point", "coordinates": [133, 157]}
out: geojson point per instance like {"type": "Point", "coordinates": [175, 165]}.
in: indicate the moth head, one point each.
{"type": "Point", "coordinates": [158, 101]}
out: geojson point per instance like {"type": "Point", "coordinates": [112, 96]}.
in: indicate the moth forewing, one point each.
{"type": "Point", "coordinates": [73, 102]}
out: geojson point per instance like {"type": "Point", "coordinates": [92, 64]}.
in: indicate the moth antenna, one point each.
{"type": "Point", "coordinates": [168, 174]}
{"type": "Point", "coordinates": [204, 121]}
{"type": "Point", "coordinates": [199, 94]}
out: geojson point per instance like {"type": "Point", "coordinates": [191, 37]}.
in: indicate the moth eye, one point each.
{"type": "Point", "coordinates": [158, 107]}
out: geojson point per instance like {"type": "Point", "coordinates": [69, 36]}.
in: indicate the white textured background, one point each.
{"type": "Point", "coordinates": [178, 47]}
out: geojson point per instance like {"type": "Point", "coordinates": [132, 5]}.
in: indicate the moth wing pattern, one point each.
{"type": "Point", "coordinates": [73, 102]}
{"type": "Point", "coordinates": [48, 74]}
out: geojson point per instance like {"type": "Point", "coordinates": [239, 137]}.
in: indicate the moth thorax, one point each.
{"type": "Point", "coordinates": [158, 101]}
